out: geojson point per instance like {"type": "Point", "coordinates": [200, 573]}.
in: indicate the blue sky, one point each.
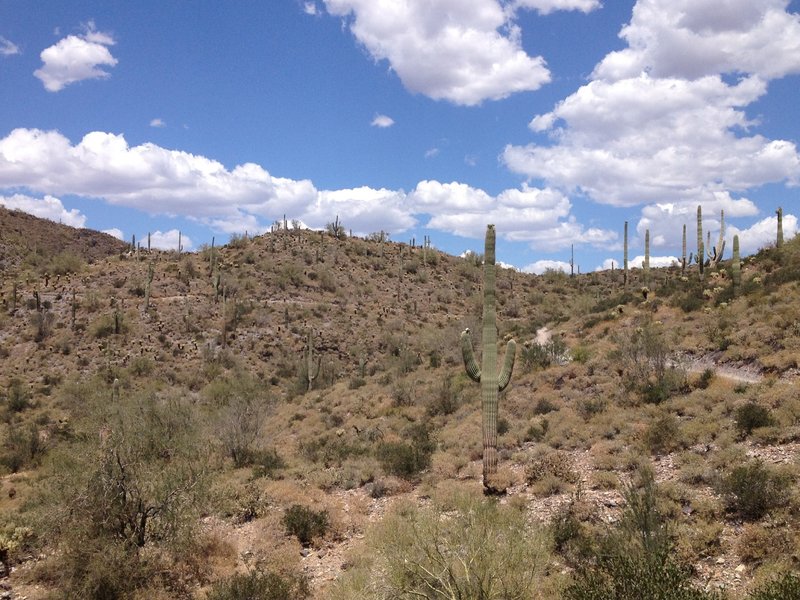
{"type": "Point", "coordinates": [557, 120]}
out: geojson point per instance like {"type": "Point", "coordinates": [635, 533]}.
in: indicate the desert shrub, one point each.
{"type": "Point", "coordinates": [785, 587]}
{"type": "Point", "coordinates": [140, 483]}
{"type": "Point", "coordinates": [467, 547]}
{"type": "Point", "coordinates": [634, 560]}
{"type": "Point", "coordinates": [407, 459]}
{"type": "Point", "coordinates": [705, 379]}
{"type": "Point", "coordinates": [241, 404]}
{"type": "Point", "coordinates": [260, 585]}
{"type": "Point", "coordinates": [751, 490]}
{"type": "Point", "coordinates": [22, 447]}
{"type": "Point", "coordinates": [663, 434]}
{"type": "Point", "coordinates": [305, 524]}
{"type": "Point", "coordinates": [544, 406]}
{"type": "Point", "coordinates": [267, 462]}
{"type": "Point", "coordinates": [551, 463]}
{"type": "Point", "coordinates": [750, 416]}
{"type": "Point", "coordinates": [445, 399]}
{"type": "Point", "coordinates": [17, 398]}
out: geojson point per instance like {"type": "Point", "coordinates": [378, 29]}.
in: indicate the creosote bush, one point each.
{"type": "Point", "coordinates": [407, 459]}
{"type": "Point", "coordinates": [305, 524]}
{"type": "Point", "coordinates": [753, 489]}
{"type": "Point", "coordinates": [750, 416]}
{"type": "Point", "coordinates": [260, 585]}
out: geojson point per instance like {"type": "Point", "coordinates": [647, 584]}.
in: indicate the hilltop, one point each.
{"type": "Point", "coordinates": [183, 379]}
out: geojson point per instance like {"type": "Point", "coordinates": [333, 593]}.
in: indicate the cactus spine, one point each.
{"type": "Point", "coordinates": [312, 368]}
{"type": "Point", "coordinates": [487, 375]}
{"type": "Point", "coordinates": [779, 240]}
{"type": "Point", "coordinates": [700, 256]}
{"type": "Point", "coordinates": [716, 254]}
{"type": "Point", "coordinates": [625, 257]}
{"type": "Point", "coordinates": [736, 266]}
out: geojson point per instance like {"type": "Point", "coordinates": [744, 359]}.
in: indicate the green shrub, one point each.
{"type": "Point", "coordinates": [663, 434]}
{"type": "Point", "coordinates": [480, 549]}
{"type": "Point", "coordinates": [408, 459]}
{"type": "Point", "coordinates": [750, 416]}
{"type": "Point", "coordinates": [786, 587]}
{"type": "Point", "coordinates": [305, 524]}
{"type": "Point", "coordinates": [753, 489]}
{"type": "Point", "coordinates": [259, 585]}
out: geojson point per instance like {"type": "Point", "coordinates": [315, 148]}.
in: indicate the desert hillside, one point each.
{"type": "Point", "coordinates": [288, 416]}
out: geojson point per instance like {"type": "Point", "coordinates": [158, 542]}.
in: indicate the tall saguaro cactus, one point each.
{"type": "Point", "coordinates": [736, 266]}
{"type": "Point", "coordinates": [779, 240]}
{"type": "Point", "coordinates": [625, 257]}
{"type": "Point", "coordinates": [701, 253]}
{"type": "Point", "coordinates": [492, 382]}
{"type": "Point", "coordinates": [312, 368]}
{"type": "Point", "coordinates": [716, 254]}
{"type": "Point", "coordinates": [646, 264]}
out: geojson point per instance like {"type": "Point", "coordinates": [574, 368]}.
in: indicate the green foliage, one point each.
{"type": "Point", "coordinates": [540, 356]}
{"type": "Point", "coordinates": [408, 459]}
{"type": "Point", "coordinates": [633, 561]}
{"type": "Point", "coordinates": [305, 524]}
{"type": "Point", "coordinates": [753, 489]}
{"type": "Point", "coordinates": [786, 587]}
{"type": "Point", "coordinates": [260, 585]}
{"type": "Point", "coordinates": [750, 416]}
{"type": "Point", "coordinates": [463, 548]}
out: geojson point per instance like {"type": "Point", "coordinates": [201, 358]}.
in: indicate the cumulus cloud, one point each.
{"type": "Point", "coordinates": [76, 58]}
{"type": "Point", "coordinates": [763, 233]}
{"type": "Point", "coordinates": [637, 262]}
{"type": "Point", "coordinates": [7, 47]}
{"type": "Point", "coordinates": [115, 232]}
{"type": "Point", "coordinates": [247, 198]}
{"type": "Point", "coordinates": [545, 7]}
{"type": "Point", "coordinates": [168, 240]}
{"type": "Point", "coordinates": [541, 266]}
{"type": "Point", "coordinates": [609, 264]}
{"type": "Point", "coordinates": [382, 121]}
{"type": "Point", "coordinates": [310, 8]}
{"type": "Point", "coordinates": [661, 121]}
{"type": "Point", "coordinates": [157, 123]}
{"type": "Point", "coordinates": [693, 38]}
{"type": "Point", "coordinates": [462, 52]}
{"type": "Point", "coordinates": [48, 207]}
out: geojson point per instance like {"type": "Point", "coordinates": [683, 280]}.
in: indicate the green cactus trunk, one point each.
{"type": "Point", "coordinates": [715, 256]}
{"type": "Point", "coordinates": [701, 252]}
{"type": "Point", "coordinates": [646, 264]}
{"type": "Point", "coordinates": [625, 257]}
{"type": "Point", "coordinates": [683, 251]}
{"type": "Point", "coordinates": [491, 382]}
{"type": "Point", "coordinates": [779, 240]}
{"type": "Point", "coordinates": [736, 266]}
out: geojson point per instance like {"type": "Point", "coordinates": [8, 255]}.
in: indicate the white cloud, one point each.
{"type": "Point", "coordinates": [246, 197]}
{"type": "Point", "coordinates": [7, 47]}
{"type": "Point", "coordinates": [47, 207]}
{"type": "Point", "coordinates": [382, 121]}
{"type": "Point", "coordinates": [658, 122]}
{"type": "Point", "coordinates": [432, 152]}
{"type": "Point", "coordinates": [540, 266]}
{"type": "Point", "coordinates": [310, 8]}
{"type": "Point", "coordinates": [763, 233]}
{"type": "Point", "coordinates": [637, 262]}
{"type": "Point", "coordinates": [546, 7]}
{"type": "Point", "coordinates": [115, 232]}
{"type": "Point", "coordinates": [463, 52]}
{"type": "Point", "coordinates": [76, 58]}
{"type": "Point", "coordinates": [168, 240]}
{"type": "Point", "coordinates": [157, 123]}
{"type": "Point", "coordinates": [694, 38]}
{"type": "Point", "coordinates": [609, 264]}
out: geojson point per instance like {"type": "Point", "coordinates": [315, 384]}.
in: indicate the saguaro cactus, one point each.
{"type": "Point", "coordinates": [312, 368]}
{"type": "Point", "coordinates": [646, 264]}
{"type": "Point", "coordinates": [716, 254]}
{"type": "Point", "coordinates": [683, 251]}
{"type": "Point", "coordinates": [701, 253]}
{"type": "Point", "coordinates": [736, 266]}
{"type": "Point", "coordinates": [487, 374]}
{"type": "Point", "coordinates": [625, 256]}
{"type": "Point", "coordinates": [779, 240]}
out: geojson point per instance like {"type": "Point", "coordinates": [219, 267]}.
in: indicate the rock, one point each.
{"type": "Point", "coordinates": [305, 552]}
{"type": "Point", "coordinates": [740, 569]}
